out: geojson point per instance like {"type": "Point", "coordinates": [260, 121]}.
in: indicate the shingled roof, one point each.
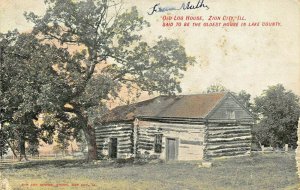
{"type": "Point", "coordinates": [181, 106]}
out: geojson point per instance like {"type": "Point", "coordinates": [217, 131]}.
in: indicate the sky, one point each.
{"type": "Point", "coordinates": [247, 58]}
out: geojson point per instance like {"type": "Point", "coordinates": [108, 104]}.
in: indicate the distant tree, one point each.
{"type": "Point", "coordinates": [33, 144]}
{"type": "Point", "coordinates": [279, 111]}
{"type": "Point", "coordinates": [81, 143]}
{"type": "Point", "coordinates": [216, 88]}
{"type": "Point", "coordinates": [110, 54]}
{"type": "Point", "coordinates": [61, 146]}
{"type": "Point", "coordinates": [244, 98]}
{"type": "Point", "coordinates": [63, 138]}
{"type": "Point", "coordinates": [33, 149]}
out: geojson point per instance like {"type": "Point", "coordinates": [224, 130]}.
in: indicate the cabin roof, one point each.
{"type": "Point", "coordinates": [181, 106]}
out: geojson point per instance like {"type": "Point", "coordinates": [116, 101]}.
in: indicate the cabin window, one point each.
{"type": "Point", "coordinates": [158, 143]}
{"type": "Point", "coordinates": [230, 114]}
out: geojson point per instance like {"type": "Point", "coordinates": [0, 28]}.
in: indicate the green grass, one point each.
{"type": "Point", "coordinates": [268, 171]}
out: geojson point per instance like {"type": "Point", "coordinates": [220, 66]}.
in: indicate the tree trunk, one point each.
{"type": "Point", "coordinates": [89, 134]}
{"type": "Point", "coordinates": [12, 149]}
{"type": "Point", "coordinates": [22, 149]}
{"type": "Point", "coordinates": [90, 137]}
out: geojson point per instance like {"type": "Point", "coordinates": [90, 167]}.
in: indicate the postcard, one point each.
{"type": "Point", "coordinates": [173, 94]}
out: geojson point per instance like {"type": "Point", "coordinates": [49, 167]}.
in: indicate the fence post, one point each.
{"type": "Point", "coordinates": [286, 147]}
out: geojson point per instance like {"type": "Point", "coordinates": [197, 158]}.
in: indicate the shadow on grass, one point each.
{"type": "Point", "coordinates": [72, 163]}
{"type": "Point", "coordinates": [44, 163]}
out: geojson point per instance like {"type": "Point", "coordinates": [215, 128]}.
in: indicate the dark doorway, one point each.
{"type": "Point", "coordinates": [113, 148]}
{"type": "Point", "coordinates": [171, 149]}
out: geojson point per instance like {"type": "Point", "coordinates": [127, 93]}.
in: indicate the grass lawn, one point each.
{"type": "Point", "coordinates": [260, 171]}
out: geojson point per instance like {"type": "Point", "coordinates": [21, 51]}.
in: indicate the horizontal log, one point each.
{"type": "Point", "coordinates": [145, 139]}
{"type": "Point", "coordinates": [113, 130]}
{"type": "Point", "coordinates": [176, 130]}
{"type": "Point", "coordinates": [233, 131]}
{"type": "Point", "coordinates": [145, 148]}
{"type": "Point", "coordinates": [229, 139]}
{"type": "Point", "coordinates": [119, 139]}
{"type": "Point", "coordinates": [228, 128]}
{"type": "Point", "coordinates": [247, 121]}
{"type": "Point", "coordinates": [145, 145]}
{"type": "Point", "coordinates": [145, 135]}
{"type": "Point", "coordinates": [228, 142]}
{"type": "Point", "coordinates": [221, 146]}
{"type": "Point", "coordinates": [106, 126]}
{"type": "Point", "coordinates": [191, 142]}
{"type": "Point", "coordinates": [128, 150]}
{"type": "Point", "coordinates": [125, 152]}
{"type": "Point", "coordinates": [225, 150]}
{"type": "Point", "coordinates": [211, 136]}
{"type": "Point", "coordinates": [113, 126]}
{"type": "Point", "coordinates": [124, 147]}
{"type": "Point", "coordinates": [187, 127]}
{"type": "Point", "coordinates": [116, 135]}
{"type": "Point", "coordinates": [152, 129]}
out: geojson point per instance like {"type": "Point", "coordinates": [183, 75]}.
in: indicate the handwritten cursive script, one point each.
{"type": "Point", "coordinates": [184, 6]}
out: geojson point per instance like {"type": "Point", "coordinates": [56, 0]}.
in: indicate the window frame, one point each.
{"type": "Point", "coordinates": [158, 143]}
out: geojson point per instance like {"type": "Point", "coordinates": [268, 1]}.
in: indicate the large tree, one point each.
{"type": "Point", "coordinates": [29, 85]}
{"type": "Point", "coordinates": [278, 110]}
{"type": "Point", "coordinates": [108, 53]}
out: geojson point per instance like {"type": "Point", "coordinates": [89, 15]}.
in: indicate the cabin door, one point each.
{"type": "Point", "coordinates": [113, 148]}
{"type": "Point", "coordinates": [171, 149]}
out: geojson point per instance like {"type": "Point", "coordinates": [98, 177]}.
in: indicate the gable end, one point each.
{"type": "Point", "coordinates": [229, 108]}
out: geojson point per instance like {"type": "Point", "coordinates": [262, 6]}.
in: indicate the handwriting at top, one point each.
{"type": "Point", "coordinates": [184, 6]}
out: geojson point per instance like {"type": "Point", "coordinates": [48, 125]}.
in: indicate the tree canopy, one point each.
{"type": "Point", "coordinates": [279, 111]}
{"type": "Point", "coordinates": [107, 54]}
{"type": "Point", "coordinates": [29, 85]}
{"type": "Point", "coordinates": [216, 88]}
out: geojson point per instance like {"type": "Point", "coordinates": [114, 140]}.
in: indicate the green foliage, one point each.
{"type": "Point", "coordinates": [279, 111]}
{"type": "Point", "coordinates": [244, 98]}
{"type": "Point", "coordinates": [33, 148]}
{"type": "Point", "coordinates": [214, 88]}
{"type": "Point", "coordinates": [81, 142]}
{"type": "Point", "coordinates": [110, 35]}
{"type": "Point", "coordinates": [29, 85]}
{"type": "Point", "coordinates": [110, 55]}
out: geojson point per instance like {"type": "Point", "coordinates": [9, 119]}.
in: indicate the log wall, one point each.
{"type": "Point", "coordinates": [124, 134]}
{"type": "Point", "coordinates": [190, 139]}
{"type": "Point", "coordinates": [223, 140]}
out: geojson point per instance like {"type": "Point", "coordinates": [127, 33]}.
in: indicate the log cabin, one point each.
{"type": "Point", "coordinates": [183, 127]}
